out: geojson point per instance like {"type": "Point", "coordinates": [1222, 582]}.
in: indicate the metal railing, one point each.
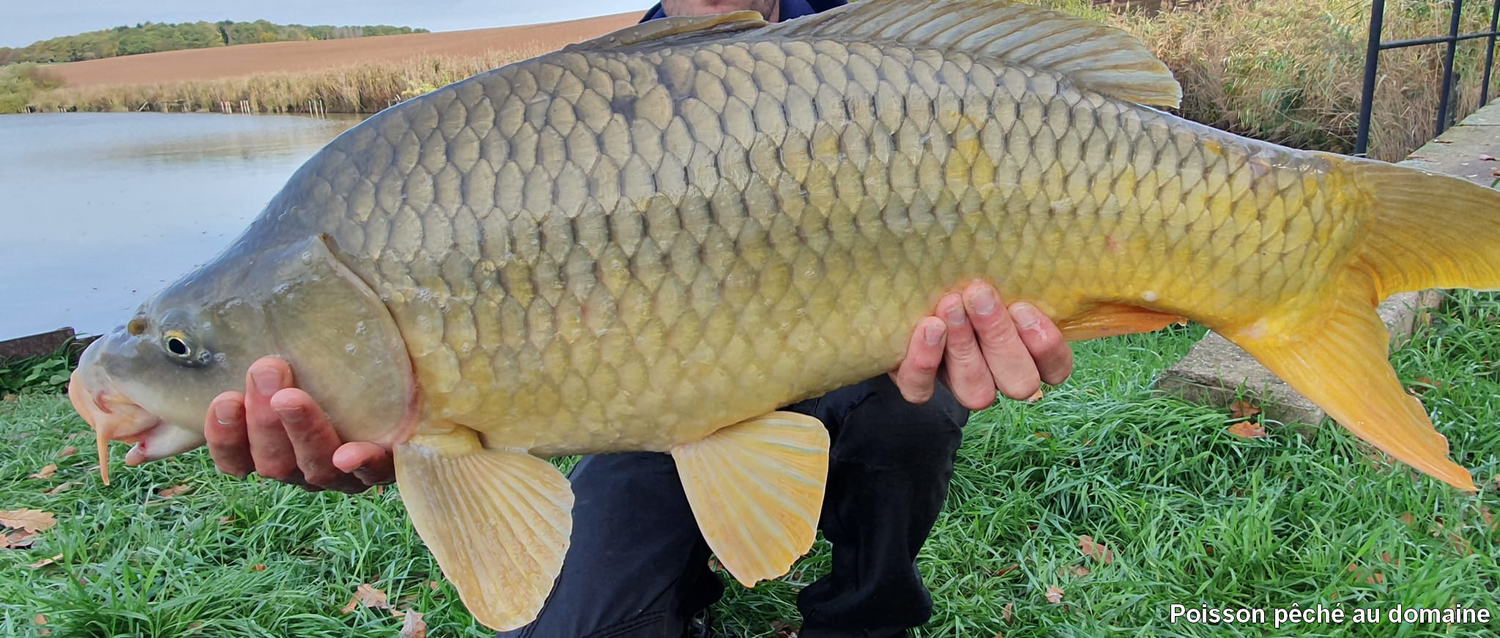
{"type": "Point", "coordinates": [1372, 63]}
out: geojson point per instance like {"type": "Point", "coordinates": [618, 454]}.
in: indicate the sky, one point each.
{"type": "Point", "coordinates": [27, 21]}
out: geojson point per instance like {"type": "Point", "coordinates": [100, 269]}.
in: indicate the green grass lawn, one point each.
{"type": "Point", "coordinates": [1191, 514]}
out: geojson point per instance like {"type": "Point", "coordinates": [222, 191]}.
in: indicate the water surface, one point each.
{"type": "Point", "coordinates": [99, 210]}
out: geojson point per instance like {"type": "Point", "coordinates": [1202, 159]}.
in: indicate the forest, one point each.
{"type": "Point", "coordinates": [151, 37]}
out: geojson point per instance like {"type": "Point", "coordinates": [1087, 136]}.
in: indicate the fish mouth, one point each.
{"type": "Point", "coordinates": [115, 417]}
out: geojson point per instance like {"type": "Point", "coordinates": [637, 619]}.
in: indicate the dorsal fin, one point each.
{"type": "Point", "coordinates": [1089, 54]}
{"type": "Point", "coordinates": [664, 28]}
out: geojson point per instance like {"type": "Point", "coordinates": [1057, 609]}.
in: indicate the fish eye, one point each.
{"type": "Point", "coordinates": [180, 348]}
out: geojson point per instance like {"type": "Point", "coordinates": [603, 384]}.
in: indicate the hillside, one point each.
{"type": "Point", "coordinates": [299, 57]}
{"type": "Point", "coordinates": [153, 37]}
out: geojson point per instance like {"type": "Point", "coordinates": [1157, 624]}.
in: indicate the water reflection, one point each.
{"type": "Point", "coordinates": [97, 211]}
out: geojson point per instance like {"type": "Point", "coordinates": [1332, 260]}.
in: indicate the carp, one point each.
{"type": "Point", "coordinates": [653, 239]}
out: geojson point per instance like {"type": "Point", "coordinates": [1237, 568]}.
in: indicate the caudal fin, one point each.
{"type": "Point", "coordinates": [1343, 365]}
{"type": "Point", "coordinates": [1429, 230]}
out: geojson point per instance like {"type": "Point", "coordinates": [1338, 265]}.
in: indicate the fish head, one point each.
{"type": "Point", "coordinates": [150, 382]}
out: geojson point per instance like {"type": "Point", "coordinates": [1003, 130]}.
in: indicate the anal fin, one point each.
{"type": "Point", "coordinates": [1110, 319]}
{"type": "Point", "coordinates": [756, 489]}
{"type": "Point", "coordinates": [497, 521]}
{"type": "Point", "coordinates": [1343, 365]}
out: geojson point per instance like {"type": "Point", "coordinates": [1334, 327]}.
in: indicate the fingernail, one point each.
{"type": "Point", "coordinates": [1025, 315]}
{"type": "Point", "coordinates": [290, 416]}
{"type": "Point", "coordinates": [267, 382]}
{"type": "Point", "coordinates": [934, 335]}
{"type": "Point", "coordinates": [955, 315]}
{"type": "Point", "coordinates": [224, 413]}
{"type": "Point", "coordinates": [984, 302]}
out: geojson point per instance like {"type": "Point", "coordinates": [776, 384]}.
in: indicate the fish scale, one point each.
{"type": "Point", "coordinates": [678, 247]}
{"type": "Point", "coordinates": [652, 240]}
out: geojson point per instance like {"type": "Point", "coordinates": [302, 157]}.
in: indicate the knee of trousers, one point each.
{"type": "Point", "coordinates": [887, 431]}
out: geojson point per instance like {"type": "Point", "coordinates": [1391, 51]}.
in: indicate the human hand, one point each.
{"type": "Point", "coordinates": [278, 431]}
{"type": "Point", "coordinates": [977, 346]}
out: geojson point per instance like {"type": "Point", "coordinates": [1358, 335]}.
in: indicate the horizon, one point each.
{"type": "Point", "coordinates": [34, 22]}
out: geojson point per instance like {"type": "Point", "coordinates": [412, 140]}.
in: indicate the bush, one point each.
{"type": "Point", "coordinates": [20, 84]}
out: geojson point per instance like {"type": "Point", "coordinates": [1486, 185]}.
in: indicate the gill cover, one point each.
{"type": "Point", "coordinates": [341, 341]}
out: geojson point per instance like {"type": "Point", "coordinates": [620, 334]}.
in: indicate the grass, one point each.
{"type": "Point", "coordinates": [1192, 515]}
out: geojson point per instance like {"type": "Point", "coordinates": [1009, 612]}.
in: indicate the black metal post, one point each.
{"type": "Point", "coordinates": [1447, 93]}
{"type": "Point", "coordinates": [1372, 62]}
{"type": "Point", "coordinates": [1489, 56]}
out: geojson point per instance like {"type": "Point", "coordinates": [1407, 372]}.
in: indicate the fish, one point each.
{"type": "Point", "coordinates": [655, 239]}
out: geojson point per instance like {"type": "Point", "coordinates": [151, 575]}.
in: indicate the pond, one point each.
{"type": "Point", "coordinates": [100, 210]}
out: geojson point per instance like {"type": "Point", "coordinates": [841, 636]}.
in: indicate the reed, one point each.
{"type": "Point", "coordinates": [1291, 71]}
{"type": "Point", "coordinates": [361, 88]}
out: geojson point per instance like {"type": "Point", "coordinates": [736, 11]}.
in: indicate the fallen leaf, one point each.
{"type": "Point", "coordinates": [59, 489]}
{"type": "Point", "coordinates": [1248, 430]}
{"type": "Point", "coordinates": [226, 519]}
{"type": "Point", "coordinates": [1243, 410]}
{"type": "Point", "coordinates": [1486, 158]}
{"type": "Point", "coordinates": [783, 629]}
{"type": "Point", "coordinates": [434, 585]}
{"type": "Point", "coordinates": [1007, 569]}
{"type": "Point", "coordinates": [1495, 172]}
{"type": "Point", "coordinates": [1041, 435]}
{"type": "Point", "coordinates": [1408, 519]}
{"type": "Point", "coordinates": [1007, 610]}
{"type": "Point", "coordinates": [366, 596]}
{"type": "Point", "coordinates": [258, 567]}
{"type": "Point", "coordinates": [1035, 397]}
{"type": "Point", "coordinates": [172, 491]}
{"type": "Point", "coordinates": [1078, 571]}
{"type": "Point", "coordinates": [10, 398]}
{"type": "Point", "coordinates": [34, 520]}
{"type": "Point", "coordinates": [41, 621]}
{"type": "Point", "coordinates": [1054, 595]}
{"type": "Point", "coordinates": [413, 626]}
{"type": "Point", "coordinates": [67, 452]}
{"type": "Point", "coordinates": [20, 539]}
{"type": "Point", "coordinates": [1487, 515]}
{"type": "Point", "coordinates": [46, 472]}
{"type": "Point", "coordinates": [45, 562]}
{"type": "Point", "coordinates": [1095, 549]}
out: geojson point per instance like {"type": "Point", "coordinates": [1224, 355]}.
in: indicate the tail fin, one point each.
{"type": "Point", "coordinates": [1343, 365]}
{"type": "Point", "coordinates": [1429, 231]}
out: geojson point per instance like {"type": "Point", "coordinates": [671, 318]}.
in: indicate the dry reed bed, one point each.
{"type": "Point", "coordinates": [1287, 71]}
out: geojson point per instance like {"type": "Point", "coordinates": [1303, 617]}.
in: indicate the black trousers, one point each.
{"type": "Point", "coordinates": [638, 567]}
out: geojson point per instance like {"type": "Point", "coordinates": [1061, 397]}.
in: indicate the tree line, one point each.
{"type": "Point", "coordinates": [151, 37]}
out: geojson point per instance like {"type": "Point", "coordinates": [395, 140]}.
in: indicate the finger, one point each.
{"type": "Point", "coordinates": [312, 437]}
{"type": "Point", "coordinates": [224, 427]}
{"type": "Point", "coordinates": [968, 373]}
{"type": "Point", "coordinates": [924, 355]}
{"type": "Point", "coordinates": [368, 462]}
{"type": "Point", "coordinates": [1010, 363]}
{"type": "Point", "coordinates": [1048, 348]}
{"type": "Point", "coordinates": [269, 446]}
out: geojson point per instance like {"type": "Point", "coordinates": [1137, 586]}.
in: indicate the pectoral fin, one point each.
{"type": "Point", "coordinates": [1343, 365]}
{"type": "Point", "coordinates": [756, 488]}
{"type": "Point", "coordinates": [498, 522]}
{"type": "Point", "coordinates": [1110, 319]}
